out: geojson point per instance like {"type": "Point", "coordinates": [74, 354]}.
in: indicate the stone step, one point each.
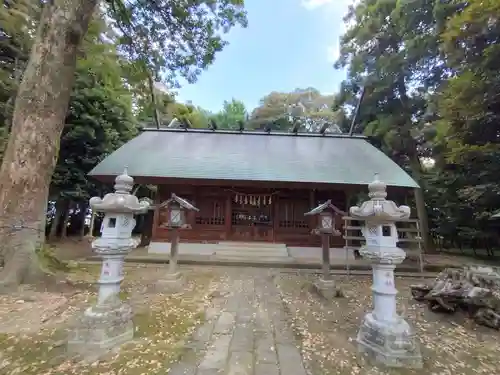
{"type": "Point", "coordinates": [243, 258]}
{"type": "Point", "coordinates": [256, 248]}
{"type": "Point", "coordinates": [251, 250]}
{"type": "Point", "coordinates": [260, 245]}
{"type": "Point", "coordinates": [252, 254]}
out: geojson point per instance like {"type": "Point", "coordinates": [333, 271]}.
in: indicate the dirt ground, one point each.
{"type": "Point", "coordinates": [34, 325]}
{"type": "Point", "coordinates": [73, 248]}
{"type": "Point", "coordinates": [327, 330]}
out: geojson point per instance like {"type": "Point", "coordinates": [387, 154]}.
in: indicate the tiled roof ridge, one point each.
{"type": "Point", "coordinates": [253, 132]}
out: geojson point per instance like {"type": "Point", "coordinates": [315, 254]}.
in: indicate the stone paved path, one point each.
{"type": "Point", "coordinates": [246, 332]}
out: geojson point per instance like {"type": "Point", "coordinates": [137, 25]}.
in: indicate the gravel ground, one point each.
{"type": "Point", "coordinates": [327, 330]}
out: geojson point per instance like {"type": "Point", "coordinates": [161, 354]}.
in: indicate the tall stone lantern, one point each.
{"type": "Point", "coordinates": [384, 336]}
{"type": "Point", "coordinates": [109, 322]}
{"type": "Point", "coordinates": [325, 214]}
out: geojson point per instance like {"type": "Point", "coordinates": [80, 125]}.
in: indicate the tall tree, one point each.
{"type": "Point", "coordinates": [232, 113]}
{"type": "Point", "coordinates": [173, 38]}
{"type": "Point", "coordinates": [99, 119]}
{"type": "Point", "coordinates": [468, 128]}
{"type": "Point", "coordinates": [392, 51]}
{"type": "Point", "coordinates": [279, 110]}
{"type": "Point", "coordinates": [37, 123]}
{"type": "Point", "coordinates": [170, 113]}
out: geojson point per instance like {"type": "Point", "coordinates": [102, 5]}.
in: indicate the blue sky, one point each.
{"type": "Point", "coordinates": [288, 44]}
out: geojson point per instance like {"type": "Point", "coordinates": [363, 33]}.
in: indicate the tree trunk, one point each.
{"type": "Point", "coordinates": [37, 124]}
{"type": "Point", "coordinates": [91, 226]}
{"type": "Point", "coordinates": [61, 206]}
{"type": "Point", "coordinates": [67, 216]}
{"type": "Point", "coordinates": [83, 215]}
{"type": "Point", "coordinates": [156, 113]}
{"type": "Point", "coordinates": [416, 168]}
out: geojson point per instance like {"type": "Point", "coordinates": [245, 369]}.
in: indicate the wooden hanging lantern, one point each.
{"type": "Point", "coordinates": [326, 213]}
{"type": "Point", "coordinates": [177, 209]}
{"type": "Point", "coordinates": [327, 221]}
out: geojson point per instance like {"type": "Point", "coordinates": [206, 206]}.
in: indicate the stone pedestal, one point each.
{"type": "Point", "coordinates": [327, 288]}
{"type": "Point", "coordinates": [171, 282]}
{"type": "Point", "coordinates": [392, 344]}
{"type": "Point", "coordinates": [100, 329]}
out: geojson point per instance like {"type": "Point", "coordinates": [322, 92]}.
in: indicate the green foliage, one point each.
{"type": "Point", "coordinates": [279, 110]}
{"type": "Point", "coordinates": [17, 20]}
{"type": "Point", "coordinates": [168, 110]}
{"type": "Point", "coordinates": [392, 51]}
{"type": "Point", "coordinates": [430, 72]}
{"type": "Point", "coordinates": [173, 39]}
{"type": "Point", "coordinates": [99, 120]}
{"type": "Point", "coordinates": [231, 114]}
{"type": "Point", "coordinates": [469, 110]}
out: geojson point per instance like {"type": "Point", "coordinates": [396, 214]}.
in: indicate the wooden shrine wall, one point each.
{"type": "Point", "coordinates": [248, 214]}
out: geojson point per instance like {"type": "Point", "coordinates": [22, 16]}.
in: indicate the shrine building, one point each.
{"type": "Point", "coordinates": [251, 185]}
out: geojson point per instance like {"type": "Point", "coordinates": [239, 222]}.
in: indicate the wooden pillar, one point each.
{"type": "Point", "coordinates": [348, 196]}
{"type": "Point", "coordinates": [174, 251]}
{"type": "Point", "coordinates": [275, 212]}
{"type": "Point", "coordinates": [156, 215]}
{"type": "Point", "coordinates": [228, 220]}
{"type": "Point", "coordinates": [312, 204]}
{"type": "Point", "coordinates": [156, 218]}
{"type": "Point", "coordinates": [325, 265]}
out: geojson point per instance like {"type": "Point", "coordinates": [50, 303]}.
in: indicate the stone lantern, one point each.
{"type": "Point", "coordinates": [326, 214]}
{"type": "Point", "coordinates": [177, 209]}
{"type": "Point", "coordinates": [109, 322]}
{"type": "Point", "coordinates": [384, 336]}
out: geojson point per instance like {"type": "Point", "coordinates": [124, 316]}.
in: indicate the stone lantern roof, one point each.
{"type": "Point", "coordinates": [378, 209]}
{"type": "Point", "coordinates": [121, 201]}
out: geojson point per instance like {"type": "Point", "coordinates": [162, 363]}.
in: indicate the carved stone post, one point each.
{"type": "Point", "coordinates": [384, 336]}
{"type": "Point", "coordinates": [109, 322]}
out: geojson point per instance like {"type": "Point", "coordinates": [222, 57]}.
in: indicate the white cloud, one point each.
{"type": "Point", "coordinates": [313, 4]}
{"type": "Point", "coordinates": [337, 15]}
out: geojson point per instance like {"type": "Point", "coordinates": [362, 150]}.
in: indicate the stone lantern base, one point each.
{"type": "Point", "coordinates": [327, 288]}
{"type": "Point", "coordinates": [102, 328]}
{"type": "Point", "coordinates": [171, 282]}
{"type": "Point", "coordinates": [392, 344]}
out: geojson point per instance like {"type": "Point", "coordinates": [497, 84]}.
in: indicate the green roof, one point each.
{"type": "Point", "coordinates": [253, 156]}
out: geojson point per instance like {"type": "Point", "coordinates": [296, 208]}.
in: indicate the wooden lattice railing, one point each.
{"type": "Point", "coordinates": [409, 234]}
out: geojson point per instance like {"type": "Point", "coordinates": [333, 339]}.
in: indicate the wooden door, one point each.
{"type": "Point", "coordinates": [251, 223]}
